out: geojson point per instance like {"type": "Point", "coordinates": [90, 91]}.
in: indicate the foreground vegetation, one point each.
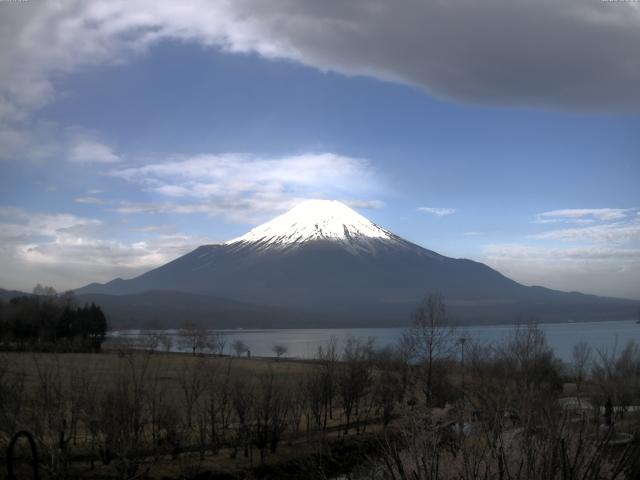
{"type": "Point", "coordinates": [435, 406]}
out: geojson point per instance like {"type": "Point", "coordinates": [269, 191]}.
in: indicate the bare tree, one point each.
{"type": "Point", "coordinates": [193, 337]}
{"type": "Point", "coordinates": [354, 377]}
{"type": "Point", "coordinates": [123, 417]}
{"type": "Point", "coordinates": [425, 449]}
{"type": "Point", "coordinates": [297, 404]}
{"type": "Point", "coordinates": [12, 390]}
{"type": "Point", "coordinates": [431, 338]}
{"type": "Point", "coordinates": [157, 404]}
{"type": "Point", "coordinates": [387, 389]}
{"type": "Point", "coordinates": [216, 342]}
{"type": "Point", "coordinates": [328, 358]}
{"type": "Point", "coordinates": [150, 341]}
{"type": "Point", "coordinates": [50, 418]}
{"type": "Point", "coordinates": [528, 357]}
{"type": "Point", "coordinates": [206, 412]}
{"type": "Point", "coordinates": [219, 404]}
{"type": "Point", "coordinates": [166, 341]}
{"type": "Point", "coordinates": [192, 381]}
{"type": "Point", "coordinates": [314, 394]}
{"type": "Point", "coordinates": [269, 413]}
{"type": "Point", "coordinates": [90, 412]}
{"type": "Point", "coordinates": [44, 291]}
{"type": "Point", "coordinates": [616, 374]}
{"type": "Point", "coordinates": [581, 359]}
{"type": "Point", "coordinates": [239, 347]}
{"type": "Point", "coordinates": [241, 397]}
{"type": "Point", "coordinates": [279, 350]}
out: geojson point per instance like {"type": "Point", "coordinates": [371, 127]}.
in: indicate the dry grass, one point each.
{"type": "Point", "coordinates": [165, 367]}
{"type": "Point", "coordinates": [167, 370]}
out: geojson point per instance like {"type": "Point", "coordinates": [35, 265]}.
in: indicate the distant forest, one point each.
{"type": "Point", "coordinates": [48, 321]}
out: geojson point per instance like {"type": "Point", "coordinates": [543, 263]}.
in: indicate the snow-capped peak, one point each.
{"type": "Point", "coordinates": [314, 220]}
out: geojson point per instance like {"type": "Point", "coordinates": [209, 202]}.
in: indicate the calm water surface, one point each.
{"type": "Point", "coordinates": [304, 343]}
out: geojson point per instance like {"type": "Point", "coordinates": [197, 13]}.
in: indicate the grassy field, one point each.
{"type": "Point", "coordinates": [133, 414]}
{"type": "Point", "coordinates": [180, 400]}
{"type": "Point", "coordinates": [165, 366]}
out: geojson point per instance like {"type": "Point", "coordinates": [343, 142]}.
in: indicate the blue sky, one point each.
{"type": "Point", "coordinates": [124, 145]}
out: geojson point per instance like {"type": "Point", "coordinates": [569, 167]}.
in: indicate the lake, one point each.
{"type": "Point", "coordinates": [304, 343]}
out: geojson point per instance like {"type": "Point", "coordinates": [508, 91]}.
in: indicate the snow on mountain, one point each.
{"type": "Point", "coordinates": [315, 220]}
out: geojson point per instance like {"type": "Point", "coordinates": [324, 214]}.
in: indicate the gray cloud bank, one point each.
{"type": "Point", "coordinates": [600, 256]}
{"type": "Point", "coordinates": [573, 54]}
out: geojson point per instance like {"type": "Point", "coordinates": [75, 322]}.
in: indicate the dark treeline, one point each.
{"type": "Point", "coordinates": [46, 321]}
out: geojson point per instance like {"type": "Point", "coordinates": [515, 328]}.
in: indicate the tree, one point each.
{"type": "Point", "coordinates": [388, 381]}
{"type": "Point", "coordinates": [581, 359]}
{"type": "Point", "coordinates": [44, 291]}
{"type": "Point", "coordinates": [354, 377]}
{"type": "Point", "coordinates": [328, 359]}
{"type": "Point", "coordinates": [193, 337]}
{"type": "Point", "coordinates": [193, 382]}
{"type": "Point", "coordinates": [616, 373]}
{"type": "Point", "coordinates": [123, 416]}
{"type": "Point", "coordinates": [528, 358]}
{"type": "Point", "coordinates": [279, 350]}
{"type": "Point", "coordinates": [430, 338]}
{"type": "Point", "coordinates": [166, 341]}
{"type": "Point", "coordinates": [216, 343]}
{"type": "Point", "coordinates": [218, 403]}
{"type": "Point", "coordinates": [241, 398]}
{"type": "Point", "coordinates": [269, 408]}
{"type": "Point", "coordinates": [150, 341]}
{"type": "Point", "coordinates": [46, 322]}
{"type": "Point", "coordinates": [239, 347]}
{"type": "Point", "coordinates": [68, 298]}
{"type": "Point", "coordinates": [97, 328]}
{"type": "Point", "coordinates": [4, 330]}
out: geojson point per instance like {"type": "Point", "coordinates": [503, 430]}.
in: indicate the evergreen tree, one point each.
{"type": "Point", "coordinates": [46, 320]}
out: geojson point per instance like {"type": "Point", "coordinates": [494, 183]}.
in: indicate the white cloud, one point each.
{"type": "Point", "coordinates": [439, 212]}
{"type": "Point", "coordinates": [91, 201]}
{"type": "Point", "coordinates": [537, 253]}
{"type": "Point", "coordinates": [247, 187]}
{"type": "Point", "coordinates": [19, 225]}
{"type": "Point", "coordinates": [251, 209]}
{"type": "Point", "coordinates": [68, 251]}
{"type": "Point", "coordinates": [604, 233]}
{"type": "Point", "coordinates": [166, 229]}
{"type": "Point", "coordinates": [206, 176]}
{"type": "Point", "coordinates": [87, 150]}
{"type": "Point", "coordinates": [364, 204]}
{"type": "Point", "coordinates": [93, 253]}
{"type": "Point", "coordinates": [583, 215]}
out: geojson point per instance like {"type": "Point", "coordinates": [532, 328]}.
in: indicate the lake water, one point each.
{"type": "Point", "coordinates": [304, 343]}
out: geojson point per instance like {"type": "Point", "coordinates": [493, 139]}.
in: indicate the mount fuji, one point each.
{"type": "Point", "coordinates": [323, 264]}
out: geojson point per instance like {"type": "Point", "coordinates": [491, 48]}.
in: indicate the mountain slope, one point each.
{"type": "Point", "coordinates": [323, 257]}
{"type": "Point", "coordinates": [6, 295]}
{"type": "Point", "coordinates": [167, 309]}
